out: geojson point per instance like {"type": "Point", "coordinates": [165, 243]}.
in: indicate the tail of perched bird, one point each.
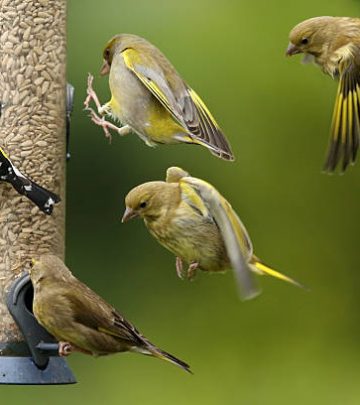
{"type": "Point", "coordinates": [151, 350]}
{"type": "Point", "coordinates": [259, 267]}
{"type": "Point", "coordinates": [43, 198]}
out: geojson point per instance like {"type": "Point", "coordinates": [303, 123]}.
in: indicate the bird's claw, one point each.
{"type": "Point", "coordinates": [102, 110]}
{"type": "Point", "coordinates": [179, 268]}
{"type": "Point", "coordinates": [65, 349]}
{"type": "Point", "coordinates": [101, 122]}
{"type": "Point", "coordinates": [90, 91]}
{"type": "Point", "coordinates": [91, 95]}
{"type": "Point", "coordinates": [191, 271]}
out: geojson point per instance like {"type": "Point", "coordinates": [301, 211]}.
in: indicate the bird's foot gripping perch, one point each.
{"type": "Point", "coordinates": [99, 117]}
{"type": "Point", "coordinates": [65, 349]}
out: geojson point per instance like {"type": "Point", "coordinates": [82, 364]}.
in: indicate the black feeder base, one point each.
{"type": "Point", "coordinates": [35, 361]}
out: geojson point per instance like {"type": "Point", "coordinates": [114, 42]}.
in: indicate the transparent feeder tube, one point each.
{"type": "Point", "coordinates": [32, 133]}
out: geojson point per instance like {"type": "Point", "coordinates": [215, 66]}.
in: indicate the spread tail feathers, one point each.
{"type": "Point", "coordinates": [262, 268]}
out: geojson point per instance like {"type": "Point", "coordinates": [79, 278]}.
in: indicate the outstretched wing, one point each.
{"type": "Point", "coordinates": [345, 127]}
{"type": "Point", "coordinates": [237, 242]}
{"type": "Point", "coordinates": [180, 100]}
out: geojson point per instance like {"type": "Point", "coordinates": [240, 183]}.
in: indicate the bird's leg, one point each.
{"type": "Point", "coordinates": [179, 268]}
{"type": "Point", "coordinates": [102, 111]}
{"type": "Point", "coordinates": [65, 349]}
{"type": "Point", "coordinates": [191, 271]}
{"type": "Point", "coordinates": [91, 95]}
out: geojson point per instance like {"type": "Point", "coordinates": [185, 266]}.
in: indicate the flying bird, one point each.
{"type": "Point", "coordinates": [189, 217]}
{"type": "Point", "coordinates": [333, 43]}
{"type": "Point", "coordinates": [150, 98]}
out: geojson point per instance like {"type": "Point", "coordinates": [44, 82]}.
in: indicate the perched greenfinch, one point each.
{"type": "Point", "coordinates": [333, 43]}
{"type": "Point", "coordinates": [150, 98]}
{"type": "Point", "coordinates": [40, 196]}
{"type": "Point", "coordinates": [189, 217]}
{"type": "Point", "coordinates": [81, 320]}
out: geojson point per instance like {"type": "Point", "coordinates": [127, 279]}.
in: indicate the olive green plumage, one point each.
{"type": "Point", "coordinates": [334, 44]}
{"type": "Point", "coordinates": [150, 97]}
{"type": "Point", "coordinates": [189, 217]}
{"type": "Point", "coordinates": [75, 314]}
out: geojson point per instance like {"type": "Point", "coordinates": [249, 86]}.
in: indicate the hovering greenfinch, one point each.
{"type": "Point", "coordinates": [189, 217]}
{"type": "Point", "coordinates": [333, 43]}
{"type": "Point", "coordinates": [150, 98]}
{"type": "Point", "coordinates": [81, 320]}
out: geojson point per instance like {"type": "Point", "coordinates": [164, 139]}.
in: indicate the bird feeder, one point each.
{"type": "Point", "coordinates": [33, 133]}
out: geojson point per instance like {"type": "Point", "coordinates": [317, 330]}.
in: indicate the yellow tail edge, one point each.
{"type": "Point", "coordinates": [264, 269]}
{"type": "Point", "coordinates": [150, 350]}
{"type": "Point", "coordinates": [160, 354]}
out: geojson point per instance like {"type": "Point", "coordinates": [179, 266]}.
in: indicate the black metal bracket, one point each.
{"type": "Point", "coordinates": [43, 366]}
{"type": "Point", "coordinates": [20, 306]}
{"type": "Point", "coordinates": [70, 90]}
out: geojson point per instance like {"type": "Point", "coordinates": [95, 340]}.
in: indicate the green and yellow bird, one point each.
{"type": "Point", "coordinates": [149, 97]}
{"type": "Point", "coordinates": [333, 43]}
{"type": "Point", "coordinates": [80, 319]}
{"type": "Point", "coordinates": [189, 217]}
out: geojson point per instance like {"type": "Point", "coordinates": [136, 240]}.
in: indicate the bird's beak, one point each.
{"type": "Point", "coordinates": [129, 214]}
{"type": "Point", "coordinates": [292, 50]}
{"type": "Point", "coordinates": [105, 68]}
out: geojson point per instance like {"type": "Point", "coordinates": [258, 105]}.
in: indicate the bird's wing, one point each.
{"type": "Point", "coordinates": [174, 174]}
{"type": "Point", "coordinates": [91, 310]}
{"type": "Point", "coordinates": [208, 200]}
{"type": "Point", "coordinates": [345, 127]}
{"type": "Point", "coordinates": [180, 100]}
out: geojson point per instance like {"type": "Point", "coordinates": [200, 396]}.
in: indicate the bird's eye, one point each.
{"type": "Point", "coordinates": [143, 204]}
{"type": "Point", "coordinates": [304, 41]}
{"type": "Point", "coordinates": [107, 53]}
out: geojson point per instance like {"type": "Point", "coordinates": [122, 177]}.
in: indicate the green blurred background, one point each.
{"type": "Point", "coordinates": [286, 347]}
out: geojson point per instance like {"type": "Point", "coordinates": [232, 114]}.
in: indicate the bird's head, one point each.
{"type": "Point", "coordinates": [150, 200]}
{"type": "Point", "coordinates": [116, 45]}
{"type": "Point", "coordinates": [108, 54]}
{"type": "Point", "coordinates": [48, 267]}
{"type": "Point", "coordinates": [311, 36]}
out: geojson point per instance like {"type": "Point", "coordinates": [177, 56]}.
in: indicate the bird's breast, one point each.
{"type": "Point", "coordinates": [129, 96]}
{"type": "Point", "coordinates": [134, 105]}
{"type": "Point", "coordinates": [193, 238]}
